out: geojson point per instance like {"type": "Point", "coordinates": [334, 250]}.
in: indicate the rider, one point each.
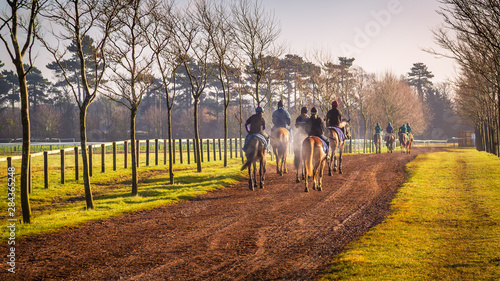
{"type": "Point", "coordinates": [389, 130]}
{"type": "Point", "coordinates": [256, 124]}
{"type": "Point", "coordinates": [281, 118]}
{"type": "Point", "coordinates": [300, 122]}
{"type": "Point", "coordinates": [378, 129]}
{"type": "Point", "coordinates": [402, 130]}
{"type": "Point", "coordinates": [408, 129]}
{"type": "Point", "coordinates": [333, 116]}
{"type": "Point", "coordinates": [316, 127]}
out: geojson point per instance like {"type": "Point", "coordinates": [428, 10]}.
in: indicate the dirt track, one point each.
{"type": "Point", "coordinates": [276, 233]}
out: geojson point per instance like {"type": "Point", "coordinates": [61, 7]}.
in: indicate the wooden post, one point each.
{"type": "Point", "coordinates": [103, 157]}
{"type": "Point", "coordinates": [188, 151]}
{"type": "Point", "coordinates": [220, 152]}
{"type": "Point", "coordinates": [114, 156]}
{"type": "Point", "coordinates": [156, 152]}
{"type": "Point", "coordinates": [208, 150]}
{"type": "Point", "coordinates": [200, 141]}
{"type": "Point", "coordinates": [125, 153]}
{"type": "Point", "coordinates": [77, 173]}
{"type": "Point", "coordinates": [213, 148]}
{"type": "Point", "coordinates": [236, 148]}
{"type": "Point", "coordinates": [194, 152]}
{"type": "Point", "coordinates": [180, 150]}
{"type": "Point", "coordinates": [147, 152]}
{"type": "Point", "coordinates": [173, 150]}
{"type": "Point", "coordinates": [9, 163]}
{"type": "Point", "coordinates": [90, 160]}
{"type": "Point", "coordinates": [230, 148]}
{"type": "Point", "coordinates": [29, 174]}
{"type": "Point", "coordinates": [137, 151]}
{"type": "Point", "coordinates": [62, 165]}
{"type": "Point", "coordinates": [164, 152]}
{"type": "Point", "coordinates": [46, 169]}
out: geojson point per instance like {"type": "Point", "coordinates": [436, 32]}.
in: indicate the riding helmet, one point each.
{"type": "Point", "coordinates": [335, 103]}
{"type": "Point", "coordinates": [314, 111]}
{"type": "Point", "coordinates": [280, 104]}
{"type": "Point", "coordinates": [304, 109]}
{"type": "Point", "coordinates": [259, 109]}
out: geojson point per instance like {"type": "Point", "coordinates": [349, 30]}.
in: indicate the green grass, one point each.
{"type": "Point", "coordinates": [63, 205]}
{"type": "Point", "coordinates": [445, 225]}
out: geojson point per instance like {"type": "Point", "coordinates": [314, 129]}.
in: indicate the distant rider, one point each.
{"type": "Point", "coordinates": [409, 130]}
{"type": "Point", "coordinates": [389, 130]}
{"type": "Point", "coordinates": [402, 130]}
{"type": "Point", "coordinates": [300, 122]}
{"type": "Point", "coordinates": [316, 127]}
{"type": "Point", "coordinates": [281, 118]}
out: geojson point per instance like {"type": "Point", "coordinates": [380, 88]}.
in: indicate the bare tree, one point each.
{"type": "Point", "coordinates": [193, 43]}
{"type": "Point", "coordinates": [161, 36]}
{"type": "Point", "coordinates": [256, 35]}
{"type": "Point", "coordinates": [77, 20]}
{"type": "Point", "coordinates": [363, 89]}
{"type": "Point", "coordinates": [130, 62]}
{"type": "Point", "coordinates": [17, 24]}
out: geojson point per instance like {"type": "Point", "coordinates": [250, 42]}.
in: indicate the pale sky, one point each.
{"type": "Point", "coordinates": [382, 35]}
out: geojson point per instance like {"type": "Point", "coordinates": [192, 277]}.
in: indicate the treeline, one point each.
{"type": "Point", "coordinates": [471, 37]}
{"type": "Point", "coordinates": [155, 69]}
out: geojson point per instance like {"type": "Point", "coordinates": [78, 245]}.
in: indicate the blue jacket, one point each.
{"type": "Point", "coordinates": [281, 118]}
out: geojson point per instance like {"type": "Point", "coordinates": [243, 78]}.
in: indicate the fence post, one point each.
{"type": "Point", "coordinates": [114, 156]}
{"type": "Point", "coordinates": [137, 151]}
{"type": "Point", "coordinates": [180, 150]}
{"type": "Point", "coordinates": [77, 173]}
{"type": "Point", "coordinates": [46, 169]}
{"type": "Point", "coordinates": [9, 163]}
{"type": "Point", "coordinates": [220, 151]}
{"type": "Point", "coordinates": [147, 152]}
{"type": "Point", "coordinates": [188, 151]}
{"type": "Point", "coordinates": [230, 147]}
{"type": "Point", "coordinates": [208, 150]}
{"type": "Point", "coordinates": [156, 152]}
{"type": "Point", "coordinates": [91, 152]}
{"type": "Point", "coordinates": [29, 174]}
{"type": "Point", "coordinates": [125, 153]}
{"type": "Point", "coordinates": [236, 148]}
{"type": "Point", "coordinates": [200, 142]}
{"type": "Point", "coordinates": [103, 157]}
{"type": "Point", "coordinates": [173, 150]}
{"type": "Point", "coordinates": [62, 165]}
{"type": "Point", "coordinates": [164, 152]}
{"type": "Point", "coordinates": [194, 152]}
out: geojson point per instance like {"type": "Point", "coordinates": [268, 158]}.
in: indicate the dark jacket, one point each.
{"type": "Point", "coordinates": [300, 122]}
{"type": "Point", "coordinates": [255, 124]}
{"type": "Point", "coordinates": [281, 118]}
{"type": "Point", "coordinates": [333, 117]}
{"type": "Point", "coordinates": [315, 126]}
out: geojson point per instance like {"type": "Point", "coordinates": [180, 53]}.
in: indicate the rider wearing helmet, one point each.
{"type": "Point", "coordinates": [316, 127]}
{"type": "Point", "coordinates": [389, 130]}
{"type": "Point", "coordinates": [402, 130]}
{"type": "Point", "coordinates": [300, 122]}
{"type": "Point", "coordinates": [281, 118]}
{"type": "Point", "coordinates": [408, 128]}
{"type": "Point", "coordinates": [333, 116]}
{"type": "Point", "coordinates": [378, 129]}
{"type": "Point", "coordinates": [256, 124]}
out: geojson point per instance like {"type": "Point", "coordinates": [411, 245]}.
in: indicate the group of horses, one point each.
{"type": "Point", "coordinates": [405, 141]}
{"type": "Point", "coordinates": [310, 157]}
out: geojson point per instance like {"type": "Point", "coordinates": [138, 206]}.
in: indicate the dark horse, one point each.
{"type": "Point", "coordinates": [256, 151]}
{"type": "Point", "coordinates": [390, 143]}
{"type": "Point", "coordinates": [297, 154]}
{"type": "Point", "coordinates": [377, 140]}
{"type": "Point", "coordinates": [314, 158]}
{"type": "Point", "coordinates": [335, 144]}
{"type": "Point", "coordinates": [279, 141]}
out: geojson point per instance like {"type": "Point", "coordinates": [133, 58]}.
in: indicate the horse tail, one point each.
{"type": "Point", "coordinates": [251, 154]}
{"type": "Point", "coordinates": [307, 155]}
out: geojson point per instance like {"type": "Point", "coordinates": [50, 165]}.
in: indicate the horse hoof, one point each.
{"type": "Point", "coordinates": [320, 189]}
{"type": "Point", "coordinates": [297, 180]}
{"type": "Point", "coordinates": [340, 172]}
{"type": "Point", "coordinates": [306, 190]}
{"type": "Point", "coordinates": [330, 173]}
{"type": "Point", "coordinates": [261, 186]}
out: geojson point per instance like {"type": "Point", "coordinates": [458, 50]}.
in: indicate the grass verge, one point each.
{"type": "Point", "coordinates": [63, 205]}
{"type": "Point", "coordinates": [445, 225]}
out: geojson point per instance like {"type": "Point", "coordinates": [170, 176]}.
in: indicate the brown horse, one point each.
{"type": "Point", "coordinates": [403, 142]}
{"type": "Point", "coordinates": [314, 158]}
{"type": "Point", "coordinates": [279, 141]}
{"type": "Point", "coordinates": [389, 143]}
{"type": "Point", "coordinates": [335, 144]}
{"type": "Point", "coordinates": [297, 154]}
{"type": "Point", "coordinates": [256, 151]}
{"type": "Point", "coordinates": [410, 143]}
{"type": "Point", "coordinates": [377, 140]}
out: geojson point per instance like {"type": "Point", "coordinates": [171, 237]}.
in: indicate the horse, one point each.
{"type": "Point", "coordinates": [256, 151]}
{"type": "Point", "coordinates": [335, 144]}
{"type": "Point", "coordinates": [403, 141]}
{"type": "Point", "coordinates": [280, 138]}
{"type": "Point", "coordinates": [390, 143]}
{"type": "Point", "coordinates": [377, 140]}
{"type": "Point", "coordinates": [299, 137]}
{"type": "Point", "coordinates": [314, 158]}
{"type": "Point", "coordinates": [410, 142]}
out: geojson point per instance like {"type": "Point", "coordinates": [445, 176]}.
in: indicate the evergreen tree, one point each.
{"type": "Point", "coordinates": [38, 87]}
{"type": "Point", "coordinates": [419, 77]}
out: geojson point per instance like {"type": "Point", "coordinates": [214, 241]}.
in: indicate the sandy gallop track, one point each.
{"type": "Point", "coordinates": [276, 233]}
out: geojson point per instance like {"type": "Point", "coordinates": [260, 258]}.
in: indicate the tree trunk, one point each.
{"type": "Point", "coordinates": [25, 121]}
{"type": "Point", "coordinates": [225, 131]}
{"type": "Point", "coordinates": [197, 135]}
{"type": "Point", "coordinates": [133, 114]}
{"type": "Point", "coordinates": [85, 160]}
{"type": "Point", "coordinates": [170, 160]}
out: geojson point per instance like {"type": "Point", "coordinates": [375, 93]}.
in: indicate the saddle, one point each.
{"type": "Point", "coordinates": [251, 136]}
{"type": "Point", "coordinates": [339, 132]}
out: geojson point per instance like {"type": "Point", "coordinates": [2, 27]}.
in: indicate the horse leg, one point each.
{"type": "Point", "coordinates": [330, 163]}
{"type": "Point", "coordinates": [262, 171]}
{"type": "Point", "coordinates": [334, 162]}
{"type": "Point", "coordinates": [340, 162]}
{"type": "Point", "coordinates": [254, 182]}
{"type": "Point", "coordinates": [284, 161]}
{"type": "Point", "coordinates": [250, 182]}
{"type": "Point", "coordinates": [320, 180]}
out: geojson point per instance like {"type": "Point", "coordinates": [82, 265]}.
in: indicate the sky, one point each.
{"type": "Point", "coordinates": [382, 35]}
